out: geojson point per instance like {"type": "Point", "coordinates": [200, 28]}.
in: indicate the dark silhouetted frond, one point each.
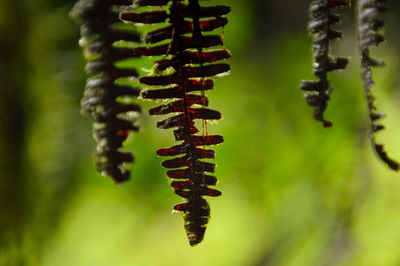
{"type": "Point", "coordinates": [106, 98]}
{"type": "Point", "coordinates": [322, 18]}
{"type": "Point", "coordinates": [369, 28]}
{"type": "Point", "coordinates": [182, 75]}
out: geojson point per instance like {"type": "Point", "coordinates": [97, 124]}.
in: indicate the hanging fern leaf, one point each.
{"type": "Point", "coordinates": [369, 35]}
{"type": "Point", "coordinates": [322, 18]}
{"type": "Point", "coordinates": [103, 99]}
{"type": "Point", "coordinates": [185, 70]}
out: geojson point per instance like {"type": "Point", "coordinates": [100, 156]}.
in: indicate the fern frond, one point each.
{"type": "Point", "coordinates": [184, 73]}
{"type": "Point", "coordinates": [322, 18]}
{"type": "Point", "coordinates": [369, 27]}
{"type": "Point", "coordinates": [103, 97]}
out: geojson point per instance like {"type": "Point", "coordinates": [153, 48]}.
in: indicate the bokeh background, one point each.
{"type": "Point", "coordinates": [294, 193]}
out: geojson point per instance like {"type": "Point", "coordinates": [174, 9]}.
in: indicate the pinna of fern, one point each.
{"type": "Point", "coordinates": [322, 18]}
{"type": "Point", "coordinates": [182, 76]}
{"type": "Point", "coordinates": [104, 95]}
{"type": "Point", "coordinates": [369, 27]}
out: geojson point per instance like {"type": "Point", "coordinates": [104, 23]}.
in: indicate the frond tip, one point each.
{"type": "Point", "coordinates": [102, 99]}
{"type": "Point", "coordinates": [369, 27]}
{"type": "Point", "coordinates": [321, 20]}
{"type": "Point", "coordinates": [187, 65]}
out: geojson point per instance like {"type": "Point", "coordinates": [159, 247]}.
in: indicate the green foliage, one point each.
{"type": "Point", "coordinates": [294, 193]}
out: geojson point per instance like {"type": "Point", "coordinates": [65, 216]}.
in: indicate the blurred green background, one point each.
{"type": "Point", "coordinates": [294, 193]}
